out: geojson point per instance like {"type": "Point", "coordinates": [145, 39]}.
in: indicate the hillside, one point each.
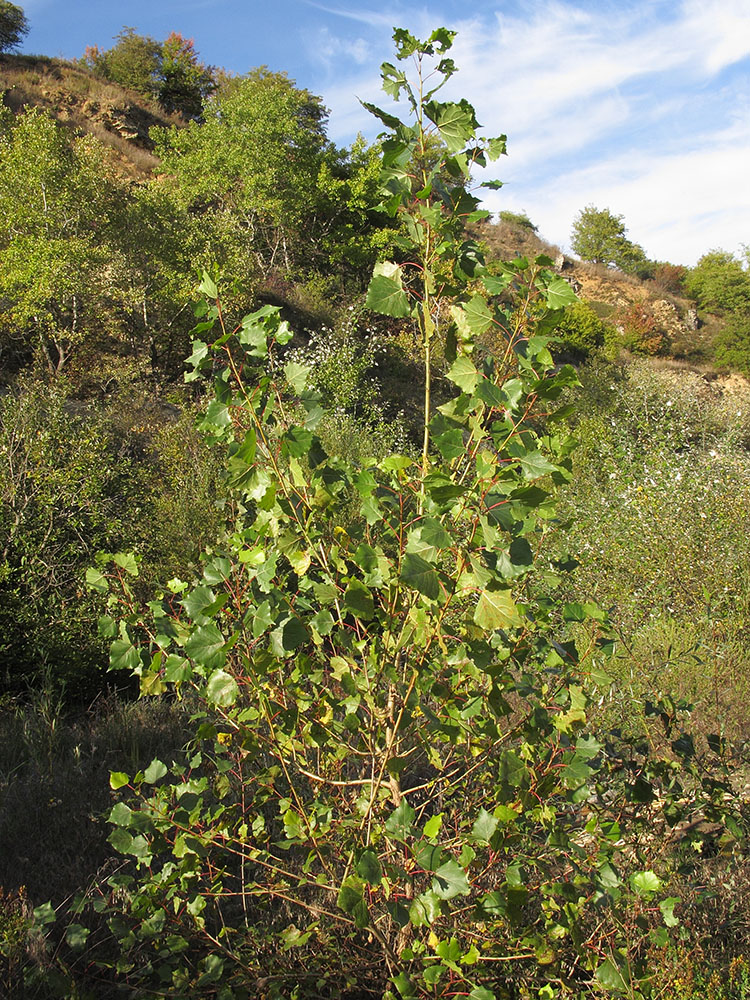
{"type": "Point", "coordinates": [610, 292]}
{"type": "Point", "coordinates": [122, 119]}
{"type": "Point", "coordinates": [86, 104]}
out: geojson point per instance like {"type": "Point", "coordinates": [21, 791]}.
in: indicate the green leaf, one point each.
{"type": "Point", "coordinates": [416, 572]}
{"type": "Point", "coordinates": [121, 840]}
{"type": "Point", "coordinates": [216, 415]}
{"type": "Point", "coordinates": [478, 315]}
{"type": "Point", "coordinates": [76, 936]}
{"type": "Point", "coordinates": [296, 375]}
{"type": "Point", "coordinates": [404, 985]}
{"type": "Point", "coordinates": [434, 534]}
{"type": "Point", "coordinates": [481, 993]}
{"type": "Point", "coordinates": [450, 880]}
{"type": "Point", "coordinates": [96, 580]}
{"type": "Point", "coordinates": [464, 374]}
{"type": "Point", "coordinates": [645, 883]}
{"type": "Point", "coordinates": [610, 976]}
{"type": "Point", "coordinates": [289, 635]}
{"type": "Point", "coordinates": [359, 601]}
{"type": "Point", "coordinates": [292, 937]}
{"type": "Point", "coordinates": [120, 814]}
{"type": "Point", "coordinates": [385, 293]}
{"type": "Point", "coordinates": [106, 627]}
{"type": "Point", "coordinates": [44, 914]}
{"type": "Point", "coordinates": [154, 771]}
{"type": "Point", "coordinates": [534, 464]}
{"type": "Point", "coordinates": [456, 122]}
{"type": "Point", "coordinates": [351, 900]}
{"type": "Point", "coordinates": [432, 826]}
{"type": "Point", "coordinates": [177, 669]}
{"type": "Point", "coordinates": [197, 602]}
{"type": "Point", "coordinates": [484, 827]}
{"type": "Point", "coordinates": [496, 609]}
{"type": "Point", "coordinates": [206, 646]}
{"type": "Point", "coordinates": [425, 909]}
{"type": "Point", "coordinates": [117, 779]}
{"type": "Point", "coordinates": [491, 394]}
{"type": "Point", "coordinates": [512, 769]}
{"type": "Point", "coordinates": [433, 973]}
{"type": "Point", "coordinates": [667, 911]}
{"type": "Point", "coordinates": [222, 689]}
{"type": "Point", "coordinates": [208, 287]}
{"type": "Point", "coordinates": [123, 655]}
{"type": "Point", "coordinates": [399, 823]}
{"type": "Point", "coordinates": [369, 868]}
{"type": "Point", "coordinates": [559, 294]}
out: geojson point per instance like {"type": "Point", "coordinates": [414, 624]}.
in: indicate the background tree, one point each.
{"type": "Point", "coordinates": [13, 25]}
{"type": "Point", "coordinates": [720, 282]}
{"type": "Point", "coordinates": [168, 71]}
{"type": "Point", "coordinates": [600, 236]}
{"type": "Point", "coordinates": [134, 61]}
{"type": "Point", "coordinates": [185, 82]}
{"type": "Point", "coordinates": [257, 157]}
{"type": "Point", "coordinates": [57, 203]}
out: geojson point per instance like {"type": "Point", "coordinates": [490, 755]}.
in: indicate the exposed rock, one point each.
{"type": "Point", "coordinates": [691, 319]}
{"type": "Point", "coordinates": [668, 317]}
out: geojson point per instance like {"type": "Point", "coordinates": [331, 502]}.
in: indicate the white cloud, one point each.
{"type": "Point", "coordinates": [643, 109]}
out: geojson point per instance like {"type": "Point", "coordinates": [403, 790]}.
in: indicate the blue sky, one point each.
{"type": "Point", "coordinates": [641, 107]}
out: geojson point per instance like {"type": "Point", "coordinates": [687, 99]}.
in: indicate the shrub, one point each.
{"type": "Point", "coordinates": [642, 333]}
{"type": "Point", "coordinates": [582, 332]}
{"type": "Point", "coordinates": [733, 343]}
{"type": "Point", "coordinates": [76, 478]}
{"type": "Point", "coordinates": [517, 219]}
{"type": "Point", "coordinates": [669, 278]}
{"type": "Point", "coordinates": [720, 282]}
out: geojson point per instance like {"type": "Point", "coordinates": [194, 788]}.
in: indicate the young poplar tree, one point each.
{"type": "Point", "coordinates": [393, 785]}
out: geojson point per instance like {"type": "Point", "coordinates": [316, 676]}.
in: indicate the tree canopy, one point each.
{"type": "Point", "coordinates": [600, 236]}
{"type": "Point", "coordinates": [13, 25]}
{"type": "Point", "coordinates": [168, 71]}
{"type": "Point", "coordinates": [719, 281]}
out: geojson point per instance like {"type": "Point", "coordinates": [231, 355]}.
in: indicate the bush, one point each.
{"type": "Point", "coordinates": [733, 344]}
{"type": "Point", "coordinates": [720, 282]}
{"type": "Point", "coordinates": [582, 332]}
{"type": "Point", "coordinates": [517, 219]}
{"type": "Point", "coordinates": [669, 278]}
{"type": "Point", "coordinates": [642, 333]}
{"type": "Point", "coordinates": [74, 479]}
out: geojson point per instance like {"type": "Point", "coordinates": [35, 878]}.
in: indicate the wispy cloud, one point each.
{"type": "Point", "coordinates": [631, 108]}
{"type": "Point", "coordinates": [372, 18]}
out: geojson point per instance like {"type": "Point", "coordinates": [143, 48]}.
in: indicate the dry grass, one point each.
{"type": "Point", "coordinates": [54, 785]}
{"type": "Point", "coordinates": [85, 104]}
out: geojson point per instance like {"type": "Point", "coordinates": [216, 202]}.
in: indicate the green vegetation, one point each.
{"type": "Point", "coordinates": [169, 72]}
{"type": "Point", "coordinates": [377, 731]}
{"type": "Point", "coordinates": [582, 333]}
{"type": "Point", "coordinates": [720, 282]}
{"type": "Point", "coordinates": [599, 236]}
{"type": "Point", "coordinates": [517, 219]}
{"type": "Point", "coordinates": [14, 25]}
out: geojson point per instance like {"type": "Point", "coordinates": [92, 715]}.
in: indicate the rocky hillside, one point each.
{"type": "Point", "coordinates": [120, 118]}
{"type": "Point", "coordinates": [611, 292]}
